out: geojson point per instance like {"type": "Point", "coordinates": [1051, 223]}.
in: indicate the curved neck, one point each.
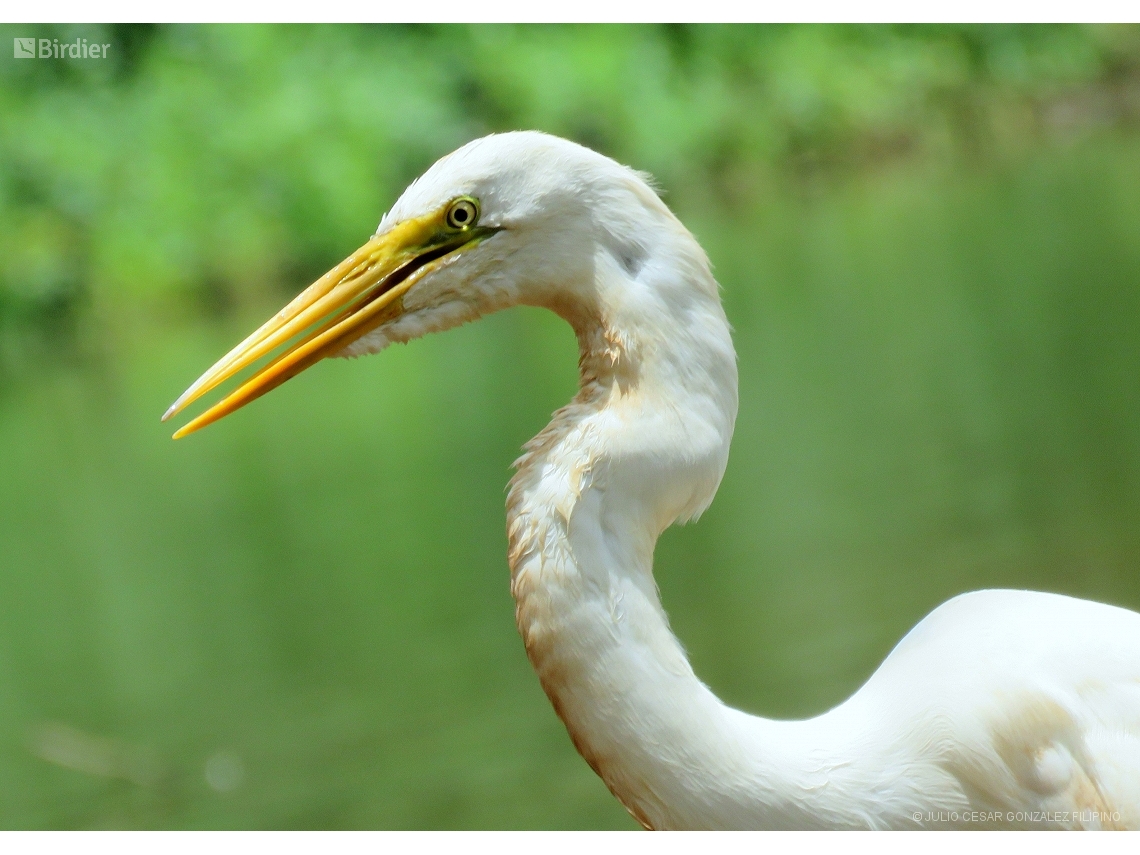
{"type": "Point", "coordinates": [583, 519]}
{"type": "Point", "coordinates": [644, 443]}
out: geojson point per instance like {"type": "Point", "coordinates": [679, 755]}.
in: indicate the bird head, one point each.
{"type": "Point", "coordinates": [517, 218]}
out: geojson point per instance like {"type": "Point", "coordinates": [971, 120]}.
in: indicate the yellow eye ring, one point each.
{"type": "Point", "coordinates": [463, 213]}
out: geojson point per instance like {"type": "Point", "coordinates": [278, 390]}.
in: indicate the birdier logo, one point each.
{"type": "Point", "coordinates": [53, 49]}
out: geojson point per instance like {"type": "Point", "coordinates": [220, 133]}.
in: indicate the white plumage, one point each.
{"type": "Point", "coordinates": [1001, 708]}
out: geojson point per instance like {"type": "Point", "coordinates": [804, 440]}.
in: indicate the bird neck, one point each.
{"type": "Point", "coordinates": [643, 444]}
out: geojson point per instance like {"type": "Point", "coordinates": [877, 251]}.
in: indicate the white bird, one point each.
{"type": "Point", "coordinates": [1000, 709]}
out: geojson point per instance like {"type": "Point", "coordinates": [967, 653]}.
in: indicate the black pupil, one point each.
{"type": "Point", "coordinates": [460, 214]}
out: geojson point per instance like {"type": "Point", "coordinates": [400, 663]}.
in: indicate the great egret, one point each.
{"type": "Point", "coordinates": [1001, 708]}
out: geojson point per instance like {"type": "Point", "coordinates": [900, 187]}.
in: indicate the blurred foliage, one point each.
{"type": "Point", "coordinates": [206, 164]}
{"type": "Point", "coordinates": [929, 243]}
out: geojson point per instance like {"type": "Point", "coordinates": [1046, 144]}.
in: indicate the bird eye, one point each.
{"type": "Point", "coordinates": [463, 213]}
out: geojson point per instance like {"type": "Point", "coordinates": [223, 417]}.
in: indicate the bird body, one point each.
{"type": "Point", "coordinates": [1000, 709]}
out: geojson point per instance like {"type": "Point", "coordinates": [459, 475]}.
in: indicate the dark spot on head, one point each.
{"type": "Point", "coordinates": [631, 259]}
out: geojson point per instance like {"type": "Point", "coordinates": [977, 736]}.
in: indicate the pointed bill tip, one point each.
{"type": "Point", "coordinates": [185, 398]}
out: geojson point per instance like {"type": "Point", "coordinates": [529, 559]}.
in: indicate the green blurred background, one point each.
{"type": "Point", "coordinates": [929, 244]}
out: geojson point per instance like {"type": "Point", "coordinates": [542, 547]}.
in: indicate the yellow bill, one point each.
{"type": "Point", "coordinates": [354, 298]}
